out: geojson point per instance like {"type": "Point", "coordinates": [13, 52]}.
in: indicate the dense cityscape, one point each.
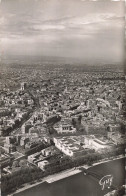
{"type": "Point", "coordinates": [62, 98]}
{"type": "Point", "coordinates": [58, 118]}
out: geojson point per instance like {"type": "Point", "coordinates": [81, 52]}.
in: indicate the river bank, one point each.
{"type": "Point", "coordinates": [62, 175]}
{"type": "Point", "coordinates": [49, 179]}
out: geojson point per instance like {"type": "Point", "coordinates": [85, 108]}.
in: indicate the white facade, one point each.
{"type": "Point", "coordinates": [95, 143]}
{"type": "Point", "coordinates": [42, 164]}
{"type": "Point", "coordinates": [32, 157]}
{"type": "Point", "coordinates": [65, 129]}
{"type": "Point", "coordinates": [66, 147]}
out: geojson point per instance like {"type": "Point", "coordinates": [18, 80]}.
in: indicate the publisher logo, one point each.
{"type": "Point", "coordinates": [106, 181]}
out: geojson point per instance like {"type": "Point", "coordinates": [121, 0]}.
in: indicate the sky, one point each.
{"type": "Point", "coordinates": [87, 30]}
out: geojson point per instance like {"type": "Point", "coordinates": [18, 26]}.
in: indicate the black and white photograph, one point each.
{"type": "Point", "coordinates": [62, 98]}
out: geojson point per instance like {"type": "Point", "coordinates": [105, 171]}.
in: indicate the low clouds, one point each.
{"type": "Point", "coordinates": [50, 27]}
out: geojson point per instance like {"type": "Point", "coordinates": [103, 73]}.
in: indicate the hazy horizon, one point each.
{"type": "Point", "coordinates": [83, 30]}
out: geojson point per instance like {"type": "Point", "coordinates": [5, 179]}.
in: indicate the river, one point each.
{"type": "Point", "coordinates": [80, 184]}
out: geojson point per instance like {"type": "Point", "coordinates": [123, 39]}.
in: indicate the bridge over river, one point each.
{"type": "Point", "coordinates": [106, 181]}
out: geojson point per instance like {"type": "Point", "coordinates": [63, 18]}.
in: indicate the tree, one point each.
{"type": "Point", "coordinates": [15, 164]}
{"type": "Point", "coordinates": [79, 118]}
{"type": "Point", "coordinates": [22, 163]}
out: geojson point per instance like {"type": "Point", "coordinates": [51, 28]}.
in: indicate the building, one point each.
{"type": "Point", "coordinates": [25, 128]}
{"type": "Point", "coordinates": [116, 138]}
{"type": "Point", "coordinates": [5, 160]}
{"type": "Point", "coordinates": [8, 140]}
{"type": "Point", "coordinates": [65, 128]}
{"type": "Point", "coordinates": [69, 146]}
{"type": "Point", "coordinates": [30, 144]}
{"type": "Point", "coordinates": [10, 146]}
{"type": "Point", "coordinates": [47, 139]}
{"type": "Point", "coordinates": [18, 138]}
{"type": "Point", "coordinates": [23, 86]}
{"type": "Point", "coordinates": [119, 104]}
{"type": "Point", "coordinates": [97, 143]}
{"type": "Point", "coordinates": [114, 127]}
{"type": "Point", "coordinates": [42, 164]}
{"type": "Point", "coordinates": [24, 140]}
{"type": "Point", "coordinates": [49, 151]}
{"type": "Point", "coordinates": [33, 157]}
